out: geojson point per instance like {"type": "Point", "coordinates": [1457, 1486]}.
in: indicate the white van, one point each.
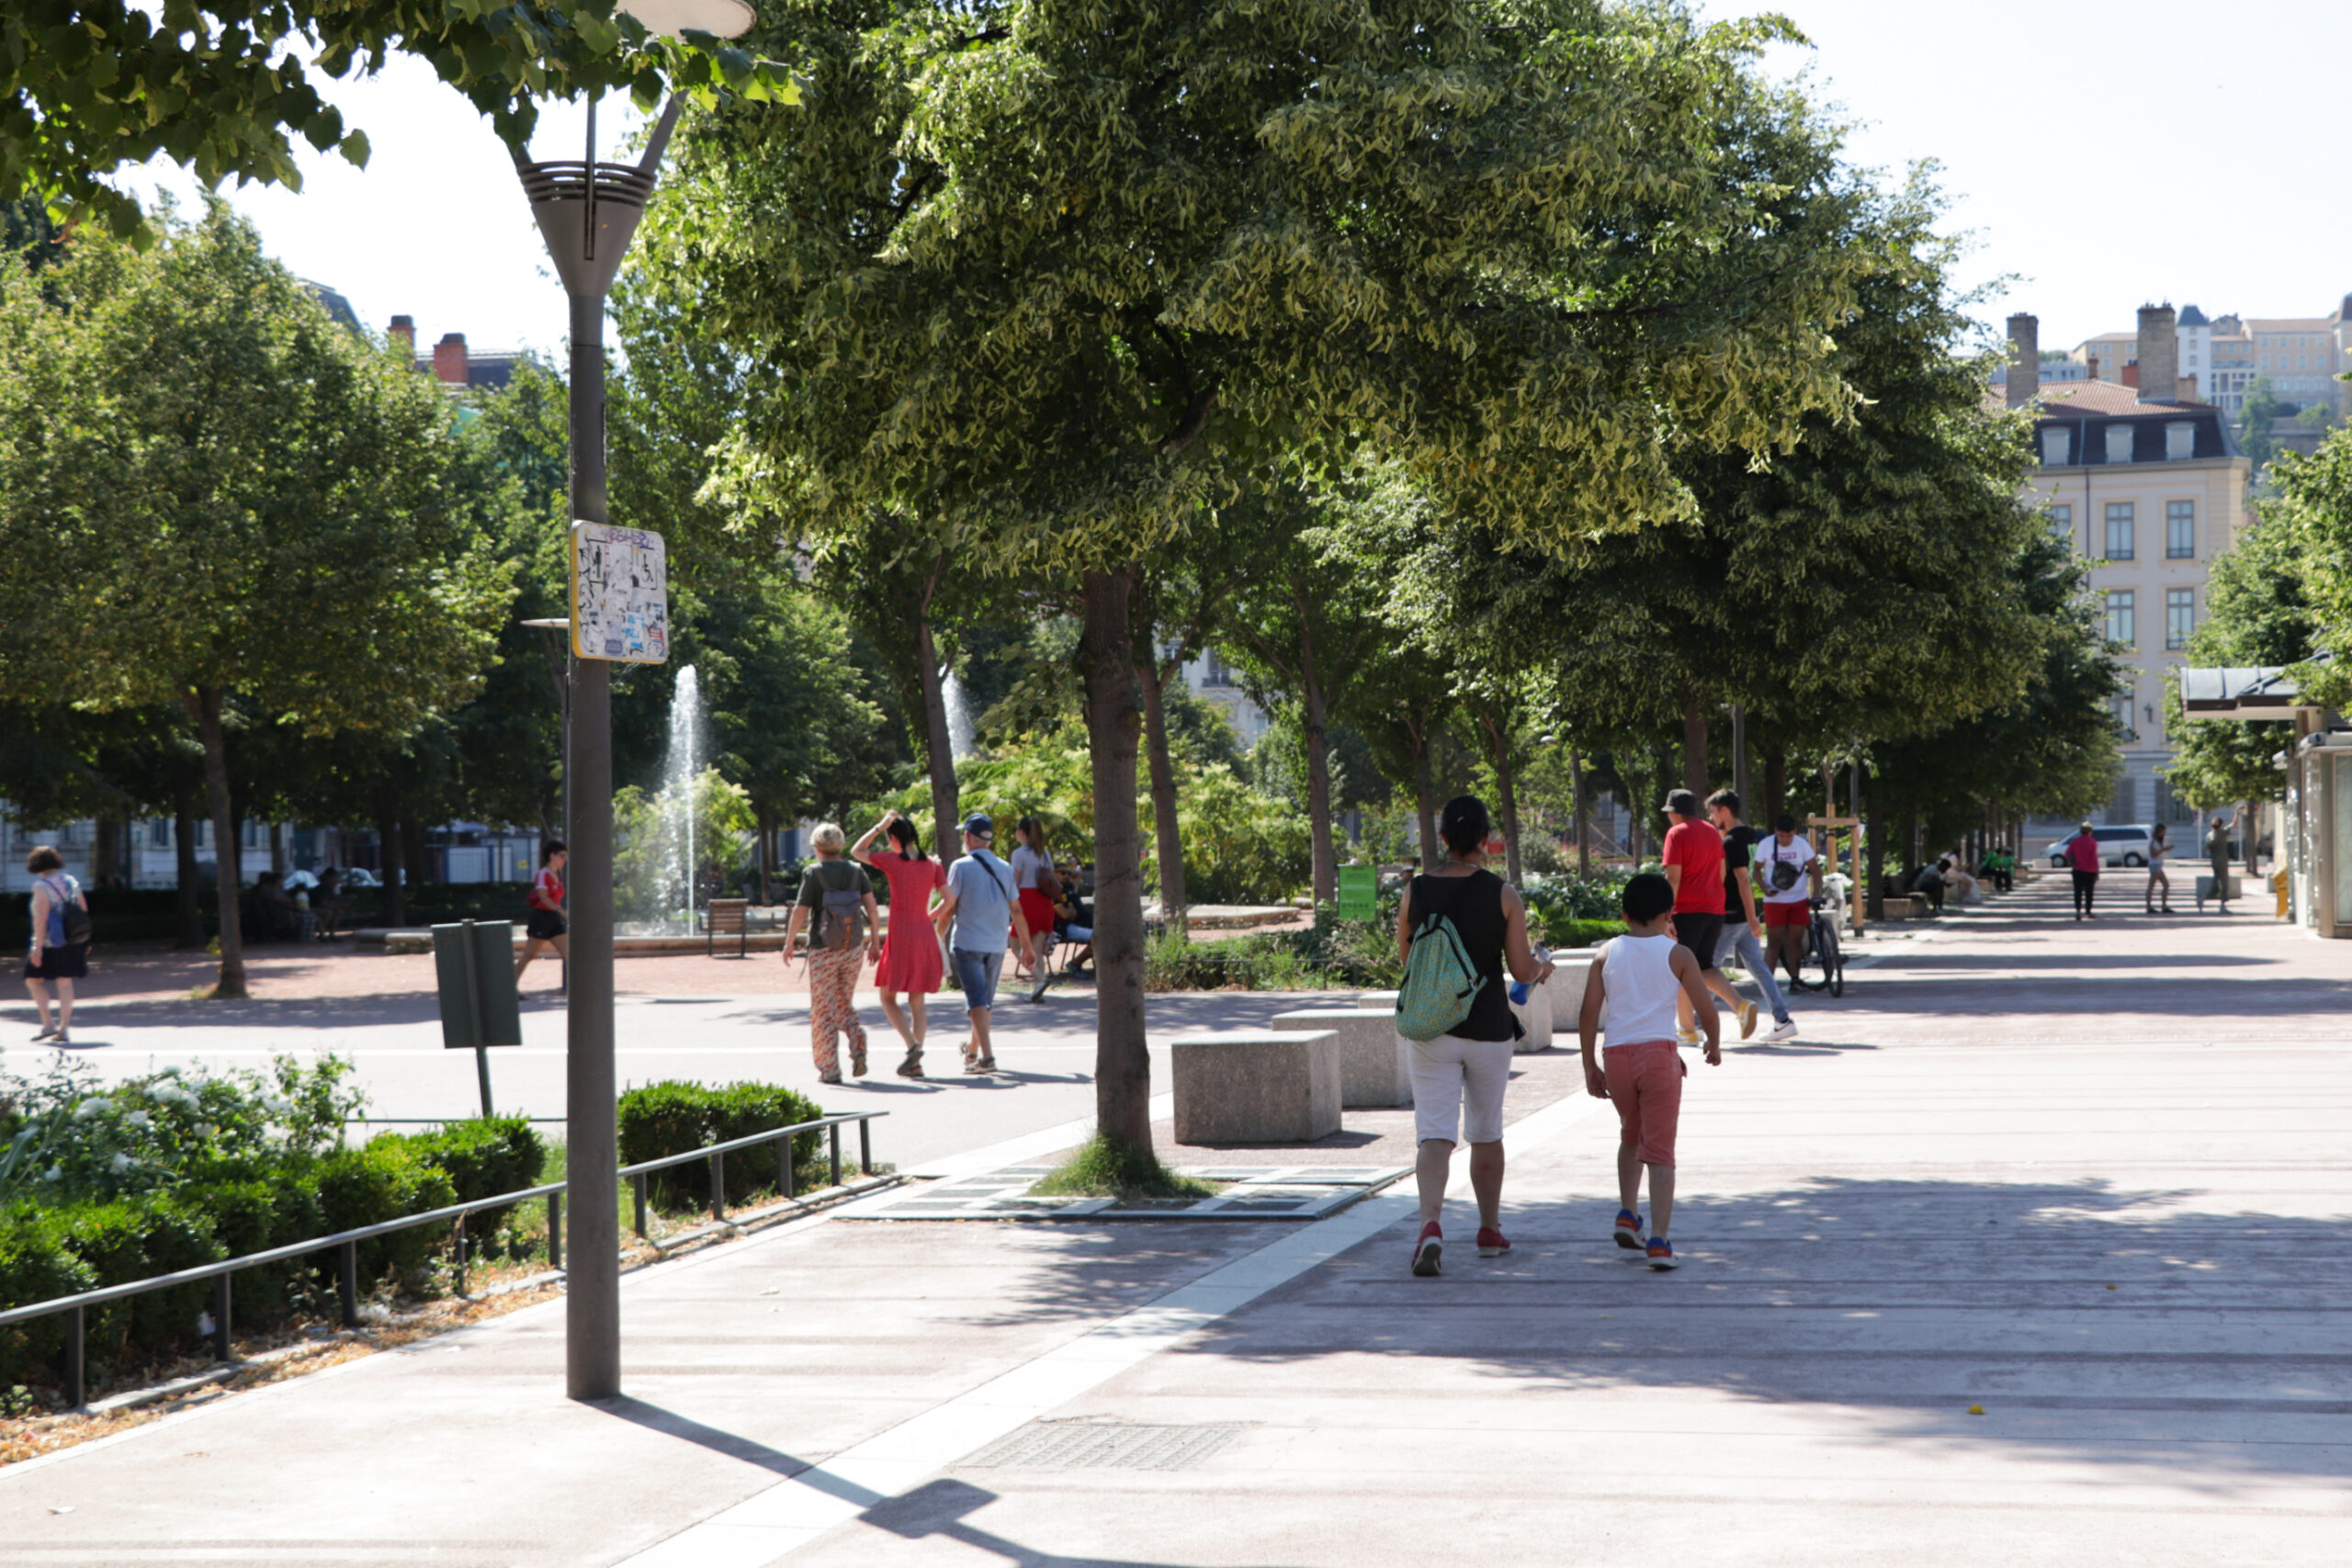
{"type": "Point", "coordinates": [2126, 843]}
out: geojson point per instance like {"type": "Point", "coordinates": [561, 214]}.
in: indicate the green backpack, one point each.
{"type": "Point", "coordinates": [1440, 981]}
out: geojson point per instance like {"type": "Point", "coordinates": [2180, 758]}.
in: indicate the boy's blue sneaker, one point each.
{"type": "Point", "coordinates": [1662, 1253]}
{"type": "Point", "coordinates": [1629, 1230]}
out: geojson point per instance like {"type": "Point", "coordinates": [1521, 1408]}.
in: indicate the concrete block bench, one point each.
{"type": "Point", "coordinates": [1374, 1060]}
{"type": "Point", "coordinates": [1569, 971]}
{"type": "Point", "coordinates": [1255, 1086]}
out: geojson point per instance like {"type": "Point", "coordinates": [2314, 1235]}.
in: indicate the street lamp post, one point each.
{"type": "Point", "coordinates": [587, 213]}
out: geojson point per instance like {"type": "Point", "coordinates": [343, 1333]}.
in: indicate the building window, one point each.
{"type": "Point", "coordinates": [159, 832]}
{"type": "Point", "coordinates": [2118, 443]}
{"type": "Point", "coordinates": [2062, 523]}
{"type": "Point", "coordinates": [2180, 441]}
{"type": "Point", "coordinates": [1218, 672]}
{"type": "Point", "coordinates": [2127, 801]}
{"type": "Point", "coordinates": [2053, 445]}
{"type": "Point", "coordinates": [2180, 616]}
{"type": "Point", "coordinates": [2180, 530]}
{"type": "Point", "coordinates": [2120, 530]}
{"type": "Point", "coordinates": [2120, 615]}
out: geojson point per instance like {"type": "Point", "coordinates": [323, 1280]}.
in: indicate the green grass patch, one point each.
{"type": "Point", "coordinates": [1104, 1169]}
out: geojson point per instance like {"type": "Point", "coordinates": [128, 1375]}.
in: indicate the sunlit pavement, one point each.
{"type": "Point", "coordinates": [2088, 1180]}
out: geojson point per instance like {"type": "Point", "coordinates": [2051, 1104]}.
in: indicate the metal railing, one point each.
{"type": "Point", "coordinates": [345, 1244]}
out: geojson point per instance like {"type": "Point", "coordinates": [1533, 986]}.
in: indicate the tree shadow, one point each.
{"type": "Point", "coordinates": [2093, 1322]}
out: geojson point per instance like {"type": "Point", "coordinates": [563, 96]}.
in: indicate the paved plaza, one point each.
{"type": "Point", "coordinates": [2089, 1180]}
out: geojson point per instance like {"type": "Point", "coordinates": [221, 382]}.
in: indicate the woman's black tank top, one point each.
{"type": "Point", "coordinates": [1474, 904]}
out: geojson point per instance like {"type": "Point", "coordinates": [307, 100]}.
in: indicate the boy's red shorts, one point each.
{"type": "Point", "coordinates": [1645, 1082]}
{"type": "Point", "coordinates": [1798, 913]}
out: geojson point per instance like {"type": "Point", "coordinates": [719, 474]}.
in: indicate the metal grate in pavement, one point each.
{"type": "Point", "coordinates": [1256, 1193]}
{"type": "Point", "coordinates": [1102, 1444]}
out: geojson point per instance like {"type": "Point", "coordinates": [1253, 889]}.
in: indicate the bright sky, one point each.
{"type": "Point", "coordinates": [2102, 156]}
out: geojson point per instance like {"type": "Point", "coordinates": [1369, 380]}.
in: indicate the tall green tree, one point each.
{"type": "Point", "coordinates": [1044, 273]}
{"type": "Point", "coordinates": [247, 502]}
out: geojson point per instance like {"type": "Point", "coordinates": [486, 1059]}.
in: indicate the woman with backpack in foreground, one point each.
{"type": "Point", "coordinates": [60, 952]}
{"type": "Point", "coordinates": [1458, 927]}
{"type": "Point", "coordinates": [836, 896]}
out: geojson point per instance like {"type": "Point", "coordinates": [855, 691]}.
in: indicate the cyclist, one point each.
{"type": "Point", "coordinates": [1789, 871]}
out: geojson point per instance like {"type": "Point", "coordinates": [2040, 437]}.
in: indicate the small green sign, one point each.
{"type": "Point", "coordinates": [1359, 893]}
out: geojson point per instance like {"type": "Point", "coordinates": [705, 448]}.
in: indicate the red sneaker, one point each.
{"type": "Point", "coordinates": [1425, 1250]}
{"type": "Point", "coordinates": [1492, 1243]}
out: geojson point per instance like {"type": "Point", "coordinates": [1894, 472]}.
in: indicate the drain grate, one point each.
{"type": "Point", "coordinates": [1103, 1445]}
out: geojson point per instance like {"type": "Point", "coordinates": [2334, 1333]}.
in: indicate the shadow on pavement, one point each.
{"type": "Point", "coordinates": [2092, 1321]}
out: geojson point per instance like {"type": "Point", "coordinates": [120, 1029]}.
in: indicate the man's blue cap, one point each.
{"type": "Point", "coordinates": [979, 826]}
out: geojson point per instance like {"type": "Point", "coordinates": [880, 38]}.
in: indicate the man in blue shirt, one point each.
{"type": "Point", "coordinates": [981, 908]}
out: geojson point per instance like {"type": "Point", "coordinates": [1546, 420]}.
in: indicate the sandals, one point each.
{"type": "Point", "coordinates": [912, 1066]}
{"type": "Point", "coordinates": [980, 1066]}
{"type": "Point", "coordinates": [857, 1060]}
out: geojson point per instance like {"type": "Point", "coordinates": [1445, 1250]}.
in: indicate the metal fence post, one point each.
{"type": "Point", "coordinates": [784, 1165]}
{"type": "Point", "coordinates": [220, 1315]}
{"type": "Point", "coordinates": [865, 1148]}
{"type": "Point", "coordinates": [76, 1394]}
{"type": "Point", "coordinates": [638, 1183]}
{"type": "Point", "coordinates": [347, 1282]}
{"type": "Point", "coordinates": [458, 1236]}
{"type": "Point", "coordinates": [719, 1186]}
{"type": "Point", "coordinates": [555, 1230]}
{"type": "Point", "coordinates": [835, 1131]}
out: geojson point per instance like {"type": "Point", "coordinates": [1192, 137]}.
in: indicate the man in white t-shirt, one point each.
{"type": "Point", "coordinates": [1788, 872]}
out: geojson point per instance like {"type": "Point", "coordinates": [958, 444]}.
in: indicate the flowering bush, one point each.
{"type": "Point", "coordinates": [63, 1139]}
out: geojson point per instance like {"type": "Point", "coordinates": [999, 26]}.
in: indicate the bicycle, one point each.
{"type": "Point", "coordinates": [1821, 949]}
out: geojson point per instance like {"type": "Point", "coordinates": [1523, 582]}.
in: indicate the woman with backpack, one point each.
{"type": "Point", "coordinates": [60, 953]}
{"type": "Point", "coordinates": [911, 962]}
{"type": "Point", "coordinates": [837, 903]}
{"type": "Point", "coordinates": [1458, 927]}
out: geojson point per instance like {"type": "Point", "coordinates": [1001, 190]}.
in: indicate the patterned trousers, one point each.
{"type": "Point", "coordinates": [832, 1006]}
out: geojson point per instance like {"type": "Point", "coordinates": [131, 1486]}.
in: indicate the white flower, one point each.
{"type": "Point", "coordinates": [92, 1106]}
{"type": "Point", "coordinates": [120, 1164]}
{"type": "Point", "coordinates": [137, 1119]}
{"type": "Point", "coordinates": [204, 1129]}
{"type": "Point", "coordinates": [275, 1106]}
{"type": "Point", "coordinates": [54, 1173]}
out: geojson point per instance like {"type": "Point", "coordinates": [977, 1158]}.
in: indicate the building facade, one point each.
{"type": "Point", "coordinates": [2299, 356]}
{"type": "Point", "coordinates": [1216, 681]}
{"type": "Point", "coordinates": [2147, 492]}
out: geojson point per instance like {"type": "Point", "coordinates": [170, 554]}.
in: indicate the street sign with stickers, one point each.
{"type": "Point", "coordinates": [620, 594]}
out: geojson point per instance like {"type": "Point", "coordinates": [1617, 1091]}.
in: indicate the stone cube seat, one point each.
{"type": "Point", "coordinates": [1373, 1058]}
{"type": "Point", "coordinates": [1255, 1086]}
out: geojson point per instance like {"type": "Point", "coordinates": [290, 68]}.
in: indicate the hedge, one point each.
{"type": "Point", "coordinates": [233, 1208]}
{"type": "Point", "coordinates": [674, 1117]}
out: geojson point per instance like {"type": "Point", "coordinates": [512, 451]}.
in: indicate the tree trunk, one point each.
{"type": "Point", "coordinates": [416, 859]}
{"type": "Point", "coordinates": [1506, 796]}
{"type": "Point", "coordinates": [1167, 837]}
{"type": "Point", "coordinates": [939, 750]}
{"type": "Point", "coordinates": [277, 849]}
{"type": "Point", "coordinates": [388, 862]}
{"type": "Point", "coordinates": [1122, 1063]}
{"type": "Point", "coordinates": [1694, 747]}
{"type": "Point", "coordinates": [1873, 850]}
{"type": "Point", "coordinates": [1776, 785]}
{"type": "Point", "coordinates": [1583, 815]}
{"type": "Point", "coordinates": [191, 908]}
{"type": "Point", "coordinates": [1319, 770]}
{"type": "Point", "coordinates": [204, 704]}
{"type": "Point", "coordinates": [767, 856]}
{"type": "Point", "coordinates": [1425, 795]}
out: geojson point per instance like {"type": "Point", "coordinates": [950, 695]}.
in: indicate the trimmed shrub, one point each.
{"type": "Point", "coordinates": [482, 1157]}
{"type": "Point", "coordinates": [673, 1117]}
{"type": "Point", "coordinates": [34, 1268]}
{"type": "Point", "coordinates": [384, 1181]}
{"type": "Point", "coordinates": [137, 1238]}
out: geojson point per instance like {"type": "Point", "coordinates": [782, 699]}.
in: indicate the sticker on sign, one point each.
{"type": "Point", "coordinates": [620, 594]}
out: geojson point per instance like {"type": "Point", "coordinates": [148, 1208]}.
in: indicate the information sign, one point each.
{"type": "Point", "coordinates": [620, 594]}
{"type": "Point", "coordinates": [1359, 892]}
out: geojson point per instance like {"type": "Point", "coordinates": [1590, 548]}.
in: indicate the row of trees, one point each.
{"type": "Point", "coordinates": [1472, 372]}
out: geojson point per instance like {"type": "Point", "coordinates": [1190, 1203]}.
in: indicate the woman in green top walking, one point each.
{"type": "Point", "coordinates": [839, 900]}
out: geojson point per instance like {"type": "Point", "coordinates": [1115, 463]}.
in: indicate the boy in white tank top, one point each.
{"type": "Point", "coordinates": [1639, 976]}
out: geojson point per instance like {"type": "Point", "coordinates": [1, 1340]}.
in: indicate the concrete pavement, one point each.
{"type": "Point", "coordinates": [1918, 1208]}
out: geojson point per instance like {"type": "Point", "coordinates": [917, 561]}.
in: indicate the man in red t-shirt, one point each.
{"type": "Point", "coordinates": [1694, 865]}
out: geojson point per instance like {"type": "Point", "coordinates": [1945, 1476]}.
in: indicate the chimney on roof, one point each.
{"type": "Point", "coordinates": [403, 331]}
{"type": "Point", "coordinates": [2025, 359]}
{"type": "Point", "coordinates": [2159, 356]}
{"type": "Point", "coordinates": [450, 363]}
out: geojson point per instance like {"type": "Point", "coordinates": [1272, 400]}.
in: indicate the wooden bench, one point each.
{"type": "Point", "coordinates": [727, 917]}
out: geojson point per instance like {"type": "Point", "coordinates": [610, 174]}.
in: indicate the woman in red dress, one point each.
{"type": "Point", "coordinates": [909, 959]}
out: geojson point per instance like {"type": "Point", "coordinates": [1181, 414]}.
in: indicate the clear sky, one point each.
{"type": "Point", "coordinates": [2102, 156]}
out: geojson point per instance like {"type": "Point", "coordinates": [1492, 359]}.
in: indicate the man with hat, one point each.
{"type": "Point", "coordinates": [981, 909]}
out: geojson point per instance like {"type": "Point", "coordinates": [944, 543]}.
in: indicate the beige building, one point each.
{"type": "Point", "coordinates": [2300, 356]}
{"type": "Point", "coordinates": [2148, 491]}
